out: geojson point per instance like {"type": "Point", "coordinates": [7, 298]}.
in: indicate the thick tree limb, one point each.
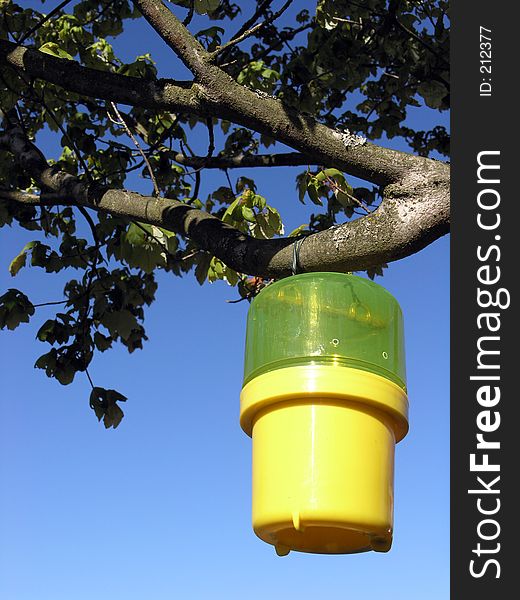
{"type": "Point", "coordinates": [395, 230]}
{"type": "Point", "coordinates": [414, 213]}
{"type": "Point", "coordinates": [68, 74]}
{"type": "Point", "coordinates": [44, 199]}
{"type": "Point", "coordinates": [242, 161]}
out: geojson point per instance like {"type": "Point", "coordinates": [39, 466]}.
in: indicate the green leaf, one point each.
{"type": "Point", "coordinates": [53, 331]}
{"type": "Point", "coordinates": [301, 186]}
{"type": "Point", "coordinates": [433, 93]}
{"type": "Point", "coordinates": [372, 272]}
{"type": "Point", "coordinates": [42, 361]}
{"type": "Point", "coordinates": [244, 183]}
{"type": "Point", "coordinates": [102, 342]}
{"type": "Point", "coordinates": [248, 214]}
{"type": "Point", "coordinates": [263, 229]}
{"type": "Point", "coordinates": [135, 234]}
{"type": "Point", "coordinates": [274, 220]}
{"type": "Point", "coordinates": [201, 270]}
{"type": "Point", "coordinates": [54, 50]}
{"type": "Point", "coordinates": [113, 416]}
{"type": "Point", "coordinates": [259, 201]}
{"type": "Point", "coordinates": [19, 261]}
{"type": "Point", "coordinates": [212, 36]}
{"type": "Point", "coordinates": [312, 191]}
{"type": "Point", "coordinates": [266, 140]}
{"type": "Point", "coordinates": [104, 404]}
{"type": "Point", "coordinates": [15, 308]}
{"type": "Point", "coordinates": [203, 7]}
{"type": "Point", "coordinates": [344, 199]}
{"type": "Point", "coordinates": [232, 211]}
{"type": "Point", "coordinates": [223, 195]}
{"type": "Point", "coordinates": [231, 276]}
{"type": "Point", "coordinates": [65, 375]}
{"type": "Point", "coordinates": [365, 195]}
{"type": "Point", "coordinates": [120, 323]}
{"type": "Point", "coordinates": [298, 231]}
{"type": "Point", "coordinates": [333, 173]}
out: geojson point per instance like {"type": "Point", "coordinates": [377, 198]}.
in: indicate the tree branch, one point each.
{"type": "Point", "coordinates": [242, 161]}
{"type": "Point", "coordinates": [395, 230]}
{"type": "Point", "coordinates": [43, 199]}
{"type": "Point", "coordinates": [413, 213]}
{"type": "Point", "coordinates": [68, 74]}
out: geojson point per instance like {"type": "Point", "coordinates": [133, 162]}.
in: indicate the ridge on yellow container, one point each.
{"type": "Point", "coordinates": [323, 457]}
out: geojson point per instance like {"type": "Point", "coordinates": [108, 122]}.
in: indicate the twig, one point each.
{"type": "Point", "coordinates": [390, 75]}
{"type": "Point", "coordinates": [334, 185]}
{"type": "Point", "coordinates": [209, 154]}
{"type": "Point", "coordinates": [421, 41]}
{"type": "Point", "coordinates": [189, 16]}
{"type": "Point", "coordinates": [236, 301]}
{"type": "Point", "coordinates": [121, 121]}
{"type": "Point", "coordinates": [92, 226]}
{"type": "Point", "coordinates": [350, 21]}
{"type": "Point", "coordinates": [43, 21]}
{"type": "Point", "coordinates": [190, 255]}
{"type": "Point", "coordinates": [89, 378]}
{"type": "Point", "coordinates": [251, 31]}
{"type": "Point", "coordinates": [196, 188]}
{"type": "Point", "coordinates": [211, 136]}
{"type": "Point", "coordinates": [50, 303]}
{"type": "Point", "coordinates": [229, 182]}
{"type": "Point", "coordinates": [252, 20]}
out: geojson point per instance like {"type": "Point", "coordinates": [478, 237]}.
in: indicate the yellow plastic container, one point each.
{"type": "Point", "coordinates": [323, 457]}
{"type": "Point", "coordinates": [323, 435]}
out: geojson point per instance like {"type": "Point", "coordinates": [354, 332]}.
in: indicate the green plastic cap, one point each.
{"type": "Point", "coordinates": [325, 318]}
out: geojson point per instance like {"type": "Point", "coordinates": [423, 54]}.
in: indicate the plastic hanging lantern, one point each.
{"type": "Point", "coordinates": [324, 399]}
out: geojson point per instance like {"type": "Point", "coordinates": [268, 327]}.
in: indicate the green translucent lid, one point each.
{"type": "Point", "coordinates": [325, 318]}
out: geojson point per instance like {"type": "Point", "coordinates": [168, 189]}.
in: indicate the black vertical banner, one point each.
{"type": "Point", "coordinates": [485, 400]}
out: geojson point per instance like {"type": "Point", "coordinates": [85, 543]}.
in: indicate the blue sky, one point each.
{"type": "Point", "coordinates": [160, 507]}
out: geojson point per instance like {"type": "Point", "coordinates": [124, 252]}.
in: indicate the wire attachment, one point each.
{"type": "Point", "coordinates": [296, 266]}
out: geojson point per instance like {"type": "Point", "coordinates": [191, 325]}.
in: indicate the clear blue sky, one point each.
{"type": "Point", "coordinates": [160, 507]}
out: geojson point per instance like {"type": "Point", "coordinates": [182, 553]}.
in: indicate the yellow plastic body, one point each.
{"type": "Point", "coordinates": [323, 457]}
